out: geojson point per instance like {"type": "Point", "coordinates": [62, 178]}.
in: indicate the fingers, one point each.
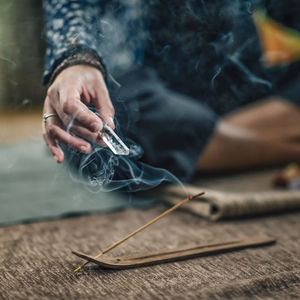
{"type": "Point", "coordinates": [77, 128]}
{"type": "Point", "coordinates": [68, 139]}
{"type": "Point", "coordinates": [54, 133]}
{"type": "Point", "coordinates": [67, 97]}
{"type": "Point", "coordinates": [53, 147]}
{"type": "Point", "coordinates": [103, 104]}
{"type": "Point", "coordinates": [78, 111]}
{"type": "Point", "coordinates": [51, 143]}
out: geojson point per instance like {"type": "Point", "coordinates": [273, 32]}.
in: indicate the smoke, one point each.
{"type": "Point", "coordinates": [104, 171]}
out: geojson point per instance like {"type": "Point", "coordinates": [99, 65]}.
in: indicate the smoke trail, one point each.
{"type": "Point", "coordinates": [253, 78]}
{"type": "Point", "coordinates": [105, 171]}
{"type": "Point", "coordinates": [102, 170]}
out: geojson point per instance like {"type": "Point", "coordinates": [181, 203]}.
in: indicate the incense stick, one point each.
{"type": "Point", "coordinates": [141, 228]}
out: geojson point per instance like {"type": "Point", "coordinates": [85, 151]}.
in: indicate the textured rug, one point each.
{"type": "Point", "coordinates": [36, 262]}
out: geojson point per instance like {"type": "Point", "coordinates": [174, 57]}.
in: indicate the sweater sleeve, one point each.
{"type": "Point", "coordinates": [72, 27]}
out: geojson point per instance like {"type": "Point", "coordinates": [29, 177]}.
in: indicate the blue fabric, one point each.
{"type": "Point", "coordinates": [103, 27]}
{"type": "Point", "coordinates": [71, 26]}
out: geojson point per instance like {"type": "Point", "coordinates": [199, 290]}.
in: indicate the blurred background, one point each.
{"type": "Point", "coordinates": [21, 66]}
{"type": "Point", "coordinates": [21, 54]}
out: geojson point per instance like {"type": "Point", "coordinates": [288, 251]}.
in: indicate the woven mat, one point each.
{"type": "Point", "coordinates": [35, 259]}
{"type": "Point", "coordinates": [217, 205]}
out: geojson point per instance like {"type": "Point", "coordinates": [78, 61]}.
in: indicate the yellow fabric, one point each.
{"type": "Point", "coordinates": [280, 44]}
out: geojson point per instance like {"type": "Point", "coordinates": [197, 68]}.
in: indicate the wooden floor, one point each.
{"type": "Point", "coordinates": [18, 126]}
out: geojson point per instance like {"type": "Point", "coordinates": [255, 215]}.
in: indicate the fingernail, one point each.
{"type": "Point", "coordinates": [99, 137]}
{"type": "Point", "coordinates": [111, 121]}
{"type": "Point", "coordinates": [84, 149]}
{"type": "Point", "coordinates": [96, 126]}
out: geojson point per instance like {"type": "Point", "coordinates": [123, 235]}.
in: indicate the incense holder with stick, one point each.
{"type": "Point", "coordinates": [152, 258]}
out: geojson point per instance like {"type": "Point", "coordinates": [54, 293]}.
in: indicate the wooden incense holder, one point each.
{"type": "Point", "coordinates": [127, 237]}
{"type": "Point", "coordinates": [164, 256]}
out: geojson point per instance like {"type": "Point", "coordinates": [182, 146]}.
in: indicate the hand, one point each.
{"type": "Point", "coordinates": [67, 97]}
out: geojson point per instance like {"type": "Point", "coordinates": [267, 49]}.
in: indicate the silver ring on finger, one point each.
{"type": "Point", "coordinates": [46, 116]}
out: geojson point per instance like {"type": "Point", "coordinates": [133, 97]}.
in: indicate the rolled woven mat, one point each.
{"type": "Point", "coordinates": [217, 205]}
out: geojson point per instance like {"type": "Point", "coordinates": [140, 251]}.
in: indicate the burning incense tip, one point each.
{"type": "Point", "coordinates": [142, 228]}
{"type": "Point", "coordinates": [77, 269]}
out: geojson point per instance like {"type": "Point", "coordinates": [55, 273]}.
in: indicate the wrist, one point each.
{"type": "Point", "coordinates": [80, 58]}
